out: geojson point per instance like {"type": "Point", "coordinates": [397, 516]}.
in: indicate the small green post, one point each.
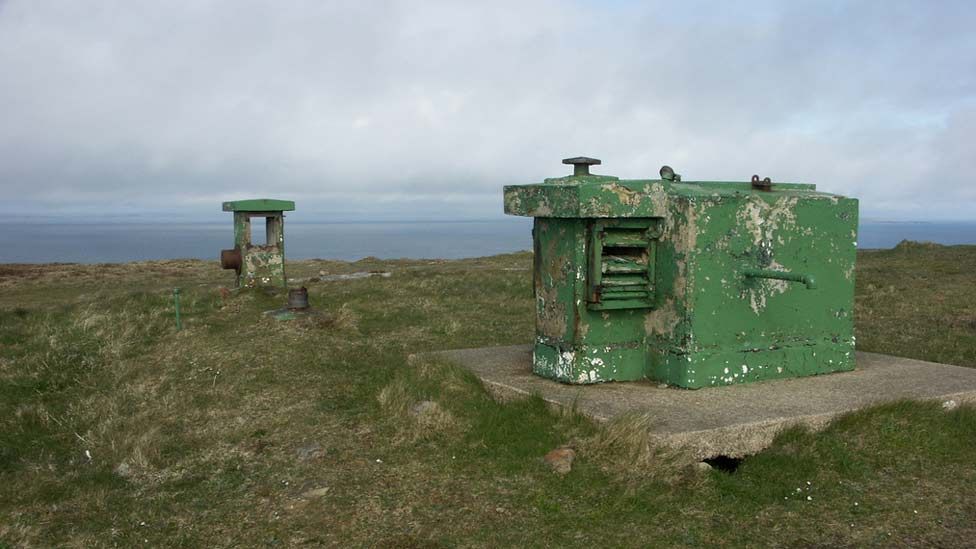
{"type": "Point", "coordinates": [176, 304]}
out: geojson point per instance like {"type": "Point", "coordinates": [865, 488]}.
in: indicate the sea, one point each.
{"type": "Point", "coordinates": [121, 242]}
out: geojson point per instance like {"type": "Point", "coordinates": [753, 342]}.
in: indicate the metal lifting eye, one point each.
{"type": "Point", "coordinates": [765, 185]}
{"type": "Point", "coordinates": [667, 174]}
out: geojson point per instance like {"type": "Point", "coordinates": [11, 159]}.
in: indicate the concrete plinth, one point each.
{"type": "Point", "coordinates": [734, 420]}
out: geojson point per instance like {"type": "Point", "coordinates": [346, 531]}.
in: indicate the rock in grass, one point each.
{"type": "Point", "coordinates": [316, 493]}
{"type": "Point", "coordinates": [560, 460]}
{"type": "Point", "coordinates": [123, 470]}
{"type": "Point", "coordinates": [425, 408]}
{"type": "Point", "coordinates": [309, 452]}
{"type": "Point", "coordinates": [703, 466]}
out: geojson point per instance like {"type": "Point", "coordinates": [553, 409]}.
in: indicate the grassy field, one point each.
{"type": "Point", "coordinates": [118, 430]}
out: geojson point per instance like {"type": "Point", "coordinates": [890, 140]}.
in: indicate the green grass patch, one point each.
{"type": "Point", "coordinates": [116, 429]}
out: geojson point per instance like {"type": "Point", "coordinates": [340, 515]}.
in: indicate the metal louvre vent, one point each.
{"type": "Point", "coordinates": [621, 264]}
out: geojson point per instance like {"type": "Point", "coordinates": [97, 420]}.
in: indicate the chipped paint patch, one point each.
{"type": "Point", "coordinates": [663, 320]}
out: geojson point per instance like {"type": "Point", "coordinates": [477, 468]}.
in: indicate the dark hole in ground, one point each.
{"type": "Point", "coordinates": [725, 464]}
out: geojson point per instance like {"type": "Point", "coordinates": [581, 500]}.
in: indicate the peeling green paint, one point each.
{"type": "Point", "coordinates": [689, 283]}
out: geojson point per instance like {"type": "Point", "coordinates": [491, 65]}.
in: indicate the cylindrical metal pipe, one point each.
{"type": "Point", "coordinates": [231, 259]}
{"type": "Point", "coordinates": [298, 298]}
{"type": "Point", "coordinates": [807, 279]}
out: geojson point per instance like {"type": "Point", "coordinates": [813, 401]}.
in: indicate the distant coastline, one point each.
{"type": "Point", "coordinates": [107, 242]}
{"type": "Point", "coordinates": [303, 220]}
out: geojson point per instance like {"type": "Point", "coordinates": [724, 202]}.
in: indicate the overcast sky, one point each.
{"type": "Point", "coordinates": [424, 109]}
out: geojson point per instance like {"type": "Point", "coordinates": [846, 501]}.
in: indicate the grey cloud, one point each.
{"type": "Point", "coordinates": [398, 109]}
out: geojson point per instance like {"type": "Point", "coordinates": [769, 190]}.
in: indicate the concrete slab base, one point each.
{"type": "Point", "coordinates": [734, 420]}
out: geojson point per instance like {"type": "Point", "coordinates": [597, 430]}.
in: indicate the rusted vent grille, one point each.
{"type": "Point", "coordinates": [622, 264]}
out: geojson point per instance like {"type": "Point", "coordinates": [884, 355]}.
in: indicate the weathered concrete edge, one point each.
{"type": "Point", "coordinates": [498, 390]}
{"type": "Point", "coordinates": [505, 392]}
{"type": "Point", "coordinates": [750, 438]}
{"type": "Point", "coordinates": [733, 440]}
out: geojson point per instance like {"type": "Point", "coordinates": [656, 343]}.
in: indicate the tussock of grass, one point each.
{"type": "Point", "coordinates": [413, 400]}
{"type": "Point", "coordinates": [346, 318]}
{"type": "Point", "coordinates": [624, 448]}
{"type": "Point", "coordinates": [623, 444]}
{"type": "Point", "coordinates": [415, 419]}
{"type": "Point", "coordinates": [448, 377]}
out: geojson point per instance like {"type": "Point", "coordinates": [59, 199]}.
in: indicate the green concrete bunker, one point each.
{"type": "Point", "coordinates": [258, 264]}
{"type": "Point", "coordinates": [690, 283]}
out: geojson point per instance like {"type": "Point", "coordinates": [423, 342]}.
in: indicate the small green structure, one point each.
{"type": "Point", "coordinates": [693, 284]}
{"type": "Point", "coordinates": [257, 264]}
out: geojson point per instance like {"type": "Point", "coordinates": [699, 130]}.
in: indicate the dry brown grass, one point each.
{"type": "Point", "coordinates": [408, 407]}
{"type": "Point", "coordinates": [415, 419]}
{"type": "Point", "coordinates": [243, 431]}
{"type": "Point", "coordinates": [624, 448]}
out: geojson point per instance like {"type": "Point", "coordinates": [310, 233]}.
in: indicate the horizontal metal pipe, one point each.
{"type": "Point", "coordinates": [782, 275]}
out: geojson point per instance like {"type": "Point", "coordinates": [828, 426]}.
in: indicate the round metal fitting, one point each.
{"type": "Point", "coordinates": [667, 174]}
{"type": "Point", "coordinates": [581, 164]}
{"type": "Point", "coordinates": [298, 298]}
{"type": "Point", "coordinates": [766, 184]}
